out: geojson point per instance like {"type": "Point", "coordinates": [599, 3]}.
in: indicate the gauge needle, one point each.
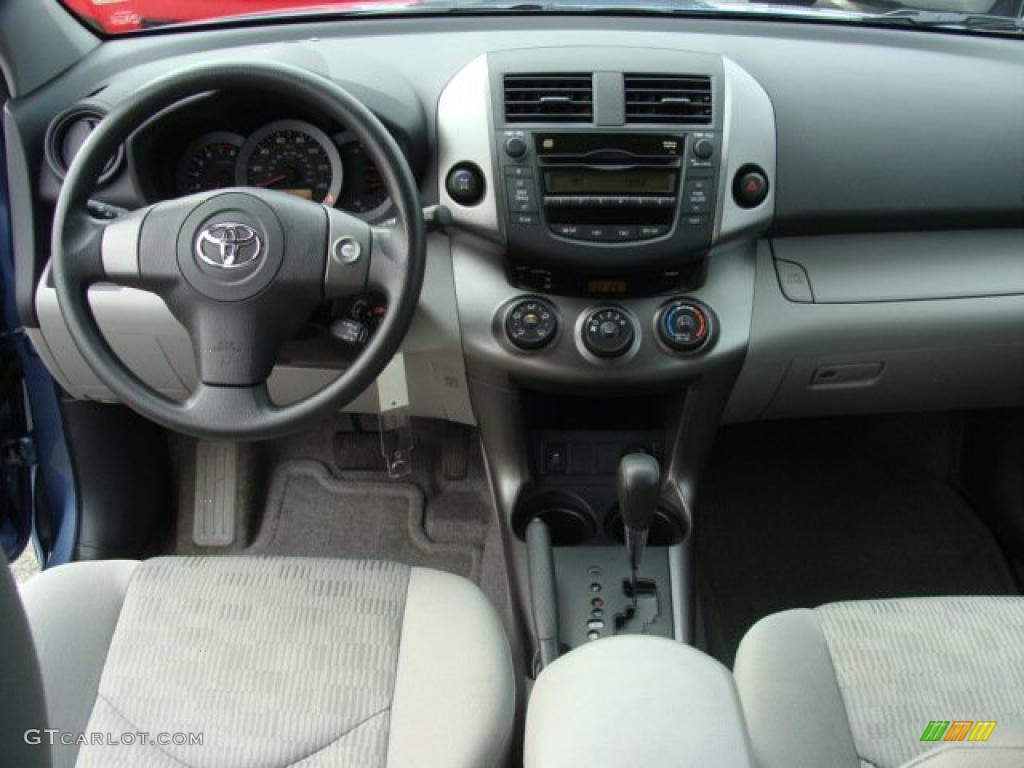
{"type": "Point", "coordinates": [272, 180]}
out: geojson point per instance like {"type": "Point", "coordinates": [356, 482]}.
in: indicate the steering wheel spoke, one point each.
{"type": "Point", "coordinates": [218, 404]}
{"type": "Point", "coordinates": [388, 263]}
{"type": "Point", "coordinates": [350, 252]}
{"type": "Point", "coordinates": [82, 243]}
{"type": "Point", "coordinates": [119, 249]}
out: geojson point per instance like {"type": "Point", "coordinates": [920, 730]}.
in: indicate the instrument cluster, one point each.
{"type": "Point", "coordinates": [292, 156]}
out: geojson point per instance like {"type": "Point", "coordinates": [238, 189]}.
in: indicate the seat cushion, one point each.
{"type": "Point", "coordinates": [294, 662]}
{"type": "Point", "coordinates": [855, 684]}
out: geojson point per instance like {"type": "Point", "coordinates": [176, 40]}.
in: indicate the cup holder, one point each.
{"type": "Point", "coordinates": [667, 528]}
{"type": "Point", "coordinates": [570, 519]}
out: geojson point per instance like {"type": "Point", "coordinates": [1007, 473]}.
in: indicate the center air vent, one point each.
{"type": "Point", "coordinates": [668, 99]}
{"type": "Point", "coordinates": [549, 98]}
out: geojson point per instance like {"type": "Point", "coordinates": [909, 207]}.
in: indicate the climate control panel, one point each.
{"type": "Point", "coordinates": [683, 326]}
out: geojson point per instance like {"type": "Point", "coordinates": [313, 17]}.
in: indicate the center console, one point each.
{"type": "Point", "coordinates": [609, 203]}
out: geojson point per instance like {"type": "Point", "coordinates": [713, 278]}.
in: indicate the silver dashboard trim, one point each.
{"type": "Point", "coordinates": [748, 138]}
{"type": "Point", "coordinates": [464, 135]}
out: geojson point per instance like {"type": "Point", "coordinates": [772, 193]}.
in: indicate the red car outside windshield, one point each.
{"type": "Point", "coordinates": [118, 16]}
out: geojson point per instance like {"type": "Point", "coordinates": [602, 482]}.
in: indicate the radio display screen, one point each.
{"type": "Point", "coordinates": [584, 181]}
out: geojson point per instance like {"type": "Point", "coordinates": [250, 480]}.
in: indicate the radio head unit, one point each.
{"type": "Point", "coordinates": [608, 201]}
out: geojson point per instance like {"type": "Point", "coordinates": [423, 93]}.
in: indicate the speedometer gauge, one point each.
{"type": "Point", "coordinates": [292, 156]}
{"type": "Point", "coordinates": [209, 163]}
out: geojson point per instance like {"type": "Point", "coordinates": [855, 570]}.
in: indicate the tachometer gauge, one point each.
{"type": "Point", "coordinates": [209, 163]}
{"type": "Point", "coordinates": [292, 156]}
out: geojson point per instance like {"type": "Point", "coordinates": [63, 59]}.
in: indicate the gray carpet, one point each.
{"type": "Point", "coordinates": [803, 513]}
{"type": "Point", "coordinates": [311, 513]}
{"type": "Point", "coordinates": [324, 492]}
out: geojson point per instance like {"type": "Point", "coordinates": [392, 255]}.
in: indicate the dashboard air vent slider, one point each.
{"type": "Point", "coordinates": [549, 98]}
{"type": "Point", "coordinates": [668, 99]}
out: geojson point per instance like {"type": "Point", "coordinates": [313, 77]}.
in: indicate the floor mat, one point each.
{"type": "Point", "coordinates": [802, 513]}
{"type": "Point", "coordinates": [310, 512]}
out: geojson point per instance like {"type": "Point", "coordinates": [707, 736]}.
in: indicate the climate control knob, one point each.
{"type": "Point", "coordinates": [608, 332]}
{"type": "Point", "coordinates": [685, 325]}
{"type": "Point", "coordinates": [531, 324]}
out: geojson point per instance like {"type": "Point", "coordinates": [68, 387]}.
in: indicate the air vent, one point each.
{"type": "Point", "coordinates": [668, 99]}
{"type": "Point", "coordinates": [549, 98]}
{"type": "Point", "coordinates": [66, 135]}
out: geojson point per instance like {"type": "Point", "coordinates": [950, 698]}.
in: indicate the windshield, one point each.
{"type": "Point", "coordinates": [111, 17]}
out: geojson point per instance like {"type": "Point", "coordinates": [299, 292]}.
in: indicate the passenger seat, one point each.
{"type": "Point", "coordinates": [906, 683]}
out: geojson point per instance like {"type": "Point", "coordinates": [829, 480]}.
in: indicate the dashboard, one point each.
{"type": "Point", "coordinates": [817, 231]}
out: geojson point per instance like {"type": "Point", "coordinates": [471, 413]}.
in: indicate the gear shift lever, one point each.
{"type": "Point", "coordinates": [639, 486]}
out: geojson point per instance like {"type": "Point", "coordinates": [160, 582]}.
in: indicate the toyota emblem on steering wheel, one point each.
{"type": "Point", "coordinates": [228, 245]}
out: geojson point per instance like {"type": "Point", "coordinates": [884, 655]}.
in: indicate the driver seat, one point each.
{"type": "Point", "coordinates": [273, 662]}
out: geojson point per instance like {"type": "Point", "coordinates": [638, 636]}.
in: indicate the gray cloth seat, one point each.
{"type": "Point", "coordinates": [271, 662]}
{"type": "Point", "coordinates": [856, 684]}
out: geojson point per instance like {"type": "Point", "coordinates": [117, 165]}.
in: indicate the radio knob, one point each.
{"type": "Point", "coordinates": [608, 332]}
{"type": "Point", "coordinates": [703, 149]}
{"type": "Point", "coordinates": [515, 147]}
{"type": "Point", "coordinates": [684, 326]}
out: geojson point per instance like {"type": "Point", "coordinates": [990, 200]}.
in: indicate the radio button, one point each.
{"type": "Point", "coordinates": [566, 230]}
{"type": "Point", "coordinates": [652, 230]}
{"type": "Point", "coordinates": [697, 195]}
{"type": "Point", "coordinates": [522, 195]}
{"type": "Point", "coordinates": [518, 171]}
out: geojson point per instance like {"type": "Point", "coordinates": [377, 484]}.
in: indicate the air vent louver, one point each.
{"type": "Point", "coordinates": [549, 98]}
{"type": "Point", "coordinates": [668, 99]}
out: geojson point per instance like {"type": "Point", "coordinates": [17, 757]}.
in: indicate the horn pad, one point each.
{"type": "Point", "coordinates": [231, 247]}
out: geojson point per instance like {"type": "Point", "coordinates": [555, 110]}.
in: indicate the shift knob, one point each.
{"type": "Point", "coordinates": [639, 486]}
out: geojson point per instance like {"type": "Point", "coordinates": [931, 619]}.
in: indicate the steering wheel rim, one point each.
{"type": "Point", "coordinates": [238, 408]}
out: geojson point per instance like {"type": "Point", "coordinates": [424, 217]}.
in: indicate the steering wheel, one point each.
{"type": "Point", "coordinates": [241, 269]}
